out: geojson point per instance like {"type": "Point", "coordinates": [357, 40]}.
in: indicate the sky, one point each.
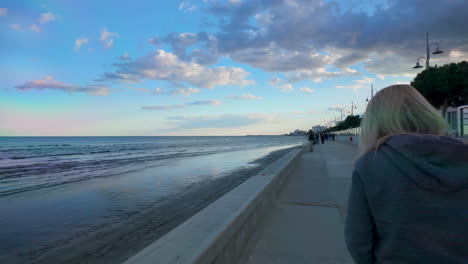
{"type": "Point", "coordinates": [229, 67]}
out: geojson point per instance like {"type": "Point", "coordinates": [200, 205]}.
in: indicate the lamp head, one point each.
{"type": "Point", "coordinates": [438, 51]}
{"type": "Point", "coordinates": [417, 65]}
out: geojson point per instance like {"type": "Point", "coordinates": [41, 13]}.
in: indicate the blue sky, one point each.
{"type": "Point", "coordinates": [232, 67]}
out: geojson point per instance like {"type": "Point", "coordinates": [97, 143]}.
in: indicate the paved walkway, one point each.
{"type": "Point", "coordinates": [306, 223]}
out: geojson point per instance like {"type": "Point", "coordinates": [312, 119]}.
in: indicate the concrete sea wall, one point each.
{"type": "Point", "coordinates": [218, 233]}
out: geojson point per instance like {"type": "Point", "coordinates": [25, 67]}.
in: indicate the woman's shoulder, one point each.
{"type": "Point", "coordinates": [373, 162]}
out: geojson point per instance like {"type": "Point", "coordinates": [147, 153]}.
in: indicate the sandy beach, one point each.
{"type": "Point", "coordinates": [116, 242]}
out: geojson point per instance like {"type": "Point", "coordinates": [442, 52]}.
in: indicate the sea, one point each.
{"type": "Point", "coordinates": [54, 190]}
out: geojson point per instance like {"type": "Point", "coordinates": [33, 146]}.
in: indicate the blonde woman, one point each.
{"type": "Point", "coordinates": [409, 196]}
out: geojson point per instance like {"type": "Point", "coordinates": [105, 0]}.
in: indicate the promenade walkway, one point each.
{"type": "Point", "coordinates": [306, 224]}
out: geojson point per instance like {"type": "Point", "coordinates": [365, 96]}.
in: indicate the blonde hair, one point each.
{"type": "Point", "coordinates": [398, 109]}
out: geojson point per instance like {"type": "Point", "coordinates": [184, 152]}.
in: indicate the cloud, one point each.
{"type": "Point", "coordinates": [139, 89]}
{"type": "Point", "coordinates": [353, 86]}
{"type": "Point", "coordinates": [161, 65]}
{"type": "Point", "coordinates": [275, 80]}
{"type": "Point", "coordinates": [205, 52]}
{"type": "Point", "coordinates": [187, 7]}
{"type": "Point", "coordinates": [365, 80]}
{"type": "Point", "coordinates": [220, 121]}
{"type": "Point", "coordinates": [158, 91]}
{"type": "Point", "coordinates": [124, 57]}
{"type": "Point", "coordinates": [46, 17]}
{"type": "Point", "coordinates": [177, 106]}
{"type": "Point", "coordinates": [107, 38]}
{"type": "Point", "coordinates": [79, 42]}
{"type": "Point", "coordinates": [337, 108]}
{"type": "Point", "coordinates": [163, 107]}
{"type": "Point", "coordinates": [35, 28]}
{"type": "Point", "coordinates": [48, 83]}
{"type": "Point", "coordinates": [287, 87]}
{"type": "Point", "coordinates": [185, 91]}
{"type": "Point", "coordinates": [321, 39]}
{"type": "Point", "coordinates": [16, 27]}
{"type": "Point", "coordinates": [274, 59]}
{"type": "Point", "coordinates": [205, 102]}
{"type": "Point", "coordinates": [3, 11]}
{"type": "Point", "coordinates": [317, 74]}
{"type": "Point", "coordinates": [247, 96]}
{"type": "Point", "coordinates": [307, 90]}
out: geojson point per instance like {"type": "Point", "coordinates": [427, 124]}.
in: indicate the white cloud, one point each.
{"type": "Point", "coordinates": [287, 87]}
{"type": "Point", "coordinates": [205, 102]}
{"type": "Point", "coordinates": [187, 7]}
{"type": "Point", "coordinates": [139, 89]}
{"type": "Point", "coordinates": [275, 80]}
{"type": "Point", "coordinates": [161, 65]}
{"type": "Point", "coordinates": [303, 35]}
{"type": "Point", "coordinates": [79, 42]}
{"type": "Point", "coordinates": [218, 121]}
{"type": "Point", "coordinates": [3, 11]}
{"type": "Point", "coordinates": [307, 90]}
{"type": "Point", "coordinates": [247, 96]}
{"type": "Point", "coordinates": [365, 80]}
{"type": "Point", "coordinates": [125, 57]}
{"type": "Point", "coordinates": [46, 17]}
{"type": "Point", "coordinates": [177, 106]}
{"type": "Point", "coordinates": [317, 74]}
{"type": "Point", "coordinates": [35, 28]}
{"type": "Point", "coordinates": [163, 107]}
{"type": "Point", "coordinates": [354, 86]}
{"type": "Point", "coordinates": [16, 27]}
{"type": "Point", "coordinates": [235, 2]}
{"type": "Point", "coordinates": [107, 38]}
{"type": "Point", "coordinates": [158, 91]}
{"type": "Point", "coordinates": [185, 91]}
{"type": "Point", "coordinates": [458, 55]}
{"type": "Point", "coordinates": [48, 83]}
{"type": "Point", "coordinates": [275, 59]}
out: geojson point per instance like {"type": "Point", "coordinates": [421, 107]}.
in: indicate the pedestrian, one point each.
{"type": "Point", "coordinates": [312, 138]}
{"type": "Point", "coordinates": [408, 201]}
{"type": "Point", "coordinates": [333, 136]}
{"type": "Point", "coordinates": [317, 138]}
{"type": "Point", "coordinates": [322, 138]}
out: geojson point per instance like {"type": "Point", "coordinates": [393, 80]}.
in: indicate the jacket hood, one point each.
{"type": "Point", "coordinates": [434, 163]}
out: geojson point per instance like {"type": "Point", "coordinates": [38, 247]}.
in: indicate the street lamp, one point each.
{"type": "Point", "coordinates": [352, 108]}
{"type": "Point", "coordinates": [428, 53]}
{"type": "Point", "coordinates": [371, 91]}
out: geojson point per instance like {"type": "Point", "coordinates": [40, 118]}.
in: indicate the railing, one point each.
{"type": "Point", "coordinates": [348, 132]}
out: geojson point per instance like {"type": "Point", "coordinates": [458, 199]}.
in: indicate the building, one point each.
{"type": "Point", "coordinates": [457, 118]}
{"type": "Point", "coordinates": [318, 128]}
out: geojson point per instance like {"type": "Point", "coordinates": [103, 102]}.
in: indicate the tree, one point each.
{"type": "Point", "coordinates": [445, 85]}
{"type": "Point", "coordinates": [351, 121]}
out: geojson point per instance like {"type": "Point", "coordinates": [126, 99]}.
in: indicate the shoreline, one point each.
{"type": "Point", "coordinates": [117, 242]}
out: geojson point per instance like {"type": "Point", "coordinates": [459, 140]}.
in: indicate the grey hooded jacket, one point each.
{"type": "Point", "coordinates": [408, 202]}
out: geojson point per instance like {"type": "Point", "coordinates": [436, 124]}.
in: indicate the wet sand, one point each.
{"type": "Point", "coordinates": [115, 243]}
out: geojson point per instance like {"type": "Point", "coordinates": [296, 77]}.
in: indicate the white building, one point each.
{"type": "Point", "coordinates": [457, 117]}
{"type": "Point", "coordinates": [318, 128]}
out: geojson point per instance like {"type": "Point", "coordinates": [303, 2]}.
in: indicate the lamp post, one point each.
{"type": "Point", "coordinates": [352, 108]}
{"type": "Point", "coordinates": [371, 91]}
{"type": "Point", "coordinates": [428, 53]}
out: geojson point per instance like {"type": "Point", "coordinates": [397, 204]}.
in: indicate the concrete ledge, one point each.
{"type": "Point", "coordinates": [218, 233]}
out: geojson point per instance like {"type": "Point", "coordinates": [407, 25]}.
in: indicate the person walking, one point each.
{"type": "Point", "coordinates": [312, 138]}
{"type": "Point", "coordinates": [322, 138]}
{"type": "Point", "coordinates": [408, 201]}
{"type": "Point", "coordinates": [317, 138]}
